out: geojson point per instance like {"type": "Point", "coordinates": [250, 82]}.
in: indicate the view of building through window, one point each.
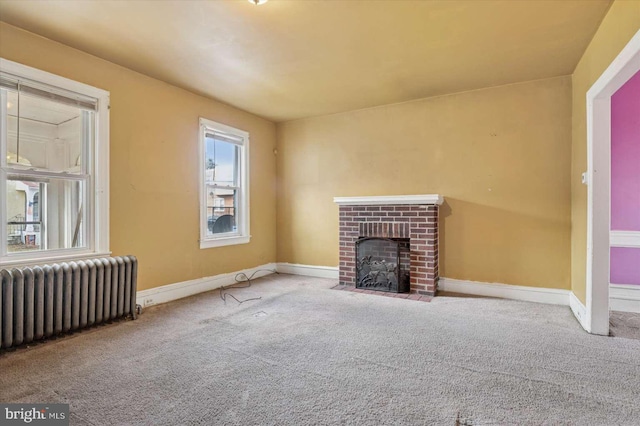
{"type": "Point", "coordinates": [221, 177]}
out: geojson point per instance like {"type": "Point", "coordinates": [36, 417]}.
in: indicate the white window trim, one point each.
{"type": "Point", "coordinates": [243, 235]}
{"type": "Point", "coordinates": [98, 227]}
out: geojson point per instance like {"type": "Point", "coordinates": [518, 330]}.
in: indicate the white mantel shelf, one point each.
{"type": "Point", "coordinates": [389, 199]}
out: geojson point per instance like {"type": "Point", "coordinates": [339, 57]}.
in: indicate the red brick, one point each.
{"type": "Point", "coordinates": [373, 219]}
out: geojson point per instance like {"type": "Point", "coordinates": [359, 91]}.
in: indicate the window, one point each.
{"type": "Point", "coordinates": [224, 183]}
{"type": "Point", "coordinates": [54, 159]}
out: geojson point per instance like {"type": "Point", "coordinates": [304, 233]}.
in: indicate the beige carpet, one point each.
{"type": "Point", "coordinates": [307, 355]}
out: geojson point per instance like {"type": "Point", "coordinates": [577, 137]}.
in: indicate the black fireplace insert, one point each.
{"type": "Point", "coordinates": [383, 264]}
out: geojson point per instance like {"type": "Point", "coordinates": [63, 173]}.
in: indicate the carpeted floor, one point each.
{"type": "Point", "coordinates": [624, 324]}
{"type": "Point", "coordinates": [305, 354]}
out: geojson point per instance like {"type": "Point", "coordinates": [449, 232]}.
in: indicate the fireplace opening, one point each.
{"type": "Point", "coordinates": [383, 264]}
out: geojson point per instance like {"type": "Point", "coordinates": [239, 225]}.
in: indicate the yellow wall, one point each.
{"type": "Point", "coordinates": [154, 166]}
{"type": "Point", "coordinates": [620, 24]}
{"type": "Point", "coordinates": [501, 157]}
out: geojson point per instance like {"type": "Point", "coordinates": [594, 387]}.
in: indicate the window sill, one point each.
{"type": "Point", "coordinates": [11, 262]}
{"type": "Point", "coordinates": [227, 241]}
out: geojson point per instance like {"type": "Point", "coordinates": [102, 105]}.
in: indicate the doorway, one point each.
{"type": "Point", "coordinates": [598, 179]}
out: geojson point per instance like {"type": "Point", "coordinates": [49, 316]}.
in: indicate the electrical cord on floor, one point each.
{"type": "Point", "coordinates": [242, 278]}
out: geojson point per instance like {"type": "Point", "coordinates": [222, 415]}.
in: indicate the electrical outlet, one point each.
{"type": "Point", "coordinates": [148, 302]}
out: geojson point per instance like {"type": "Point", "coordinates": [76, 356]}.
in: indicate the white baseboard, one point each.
{"type": "Point", "coordinates": [505, 291]}
{"type": "Point", "coordinates": [579, 311]}
{"type": "Point", "coordinates": [308, 270]}
{"type": "Point", "coordinates": [625, 298]}
{"type": "Point", "coordinates": [167, 293]}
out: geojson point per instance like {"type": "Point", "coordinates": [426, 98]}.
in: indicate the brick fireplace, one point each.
{"type": "Point", "coordinates": [413, 217]}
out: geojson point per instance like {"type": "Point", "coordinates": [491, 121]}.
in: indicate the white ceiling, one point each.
{"type": "Point", "coordinates": [289, 59]}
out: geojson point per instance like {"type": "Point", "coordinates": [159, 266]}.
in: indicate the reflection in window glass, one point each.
{"type": "Point", "coordinates": [45, 135]}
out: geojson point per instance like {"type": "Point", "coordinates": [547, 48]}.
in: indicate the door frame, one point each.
{"type": "Point", "coordinates": [598, 179]}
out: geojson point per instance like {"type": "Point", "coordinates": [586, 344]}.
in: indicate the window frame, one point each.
{"type": "Point", "coordinates": [98, 177]}
{"type": "Point", "coordinates": [242, 235]}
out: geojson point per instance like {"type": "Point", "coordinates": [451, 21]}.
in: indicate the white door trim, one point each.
{"type": "Point", "coordinates": [623, 67]}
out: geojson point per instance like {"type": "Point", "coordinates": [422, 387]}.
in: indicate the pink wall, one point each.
{"type": "Point", "coordinates": [625, 265]}
{"type": "Point", "coordinates": [625, 178]}
{"type": "Point", "coordinates": [625, 156]}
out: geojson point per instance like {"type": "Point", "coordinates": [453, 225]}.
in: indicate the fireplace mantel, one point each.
{"type": "Point", "coordinates": [389, 200]}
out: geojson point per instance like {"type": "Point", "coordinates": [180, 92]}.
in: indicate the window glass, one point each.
{"type": "Point", "coordinates": [221, 161]}
{"type": "Point", "coordinates": [46, 135]}
{"type": "Point", "coordinates": [45, 214]}
{"type": "Point", "coordinates": [221, 166]}
{"type": "Point", "coordinates": [221, 210]}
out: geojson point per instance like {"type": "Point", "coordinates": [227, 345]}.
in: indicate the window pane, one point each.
{"type": "Point", "coordinates": [221, 162]}
{"type": "Point", "coordinates": [45, 214]}
{"type": "Point", "coordinates": [221, 210]}
{"type": "Point", "coordinates": [46, 135]}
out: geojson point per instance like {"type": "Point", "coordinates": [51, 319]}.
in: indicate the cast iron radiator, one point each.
{"type": "Point", "coordinates": [45, 301]}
